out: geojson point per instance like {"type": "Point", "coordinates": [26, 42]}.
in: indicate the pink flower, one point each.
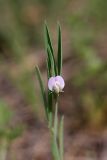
{"type": "Point", "coordinates": [56, 84]}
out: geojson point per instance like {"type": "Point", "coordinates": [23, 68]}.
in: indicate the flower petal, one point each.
{"type": "Point", "coordinates": [61, 81]}
{"type": "Point", "coordinates": [51, 83]}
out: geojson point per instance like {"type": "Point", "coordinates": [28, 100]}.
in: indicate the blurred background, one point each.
{"type": "Point", "coordinates": [23, 130]}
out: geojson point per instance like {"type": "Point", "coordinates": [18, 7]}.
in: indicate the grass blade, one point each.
{"type": "Point", "coordinates": [42, 90]}
{"type": "Point", "coordinates": [59, 54]}
{"type": "Point", "coordinates": [61, 137]}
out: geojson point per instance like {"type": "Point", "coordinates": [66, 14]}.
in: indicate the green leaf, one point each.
{"type": "Point", "coordinates": [48, 62]}
{"type": "Point", "coordinates": [42, 91]}
{"type": "Point", "coordinates": [61, 138]}
{"type": "Point", "coordinates": [51, 61]}
{"type": "Point", "coordinates": [48, 38]}
{"type": "Point", "coordinates": [49, 43]}
{"type": "Point", "coordinates": [59, 54]}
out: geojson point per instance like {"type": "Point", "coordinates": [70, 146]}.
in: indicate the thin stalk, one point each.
{"type": "Point", "coordinates": [54, 133]}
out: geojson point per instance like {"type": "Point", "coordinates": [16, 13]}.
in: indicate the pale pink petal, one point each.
{"type": "Point", "coordinates": [61, 81]}
{"type": "Point", "coordinates": [51, 83]}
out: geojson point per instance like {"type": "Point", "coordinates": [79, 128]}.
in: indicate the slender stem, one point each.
{"type": "Point", "coordinates": [54, 132]}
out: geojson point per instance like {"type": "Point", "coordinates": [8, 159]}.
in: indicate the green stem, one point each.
{"type": "Point", "coordinates": [54, 133]}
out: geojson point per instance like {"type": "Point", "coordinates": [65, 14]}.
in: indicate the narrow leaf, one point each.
{"type": "Point", "coordinates": [49, 43]}
{"type": "Point", "coordinates": [59, 54]}
{"type": "Point", "coordinates": [42, 90]}
{"type": "Point", "coordinates": [48, 38]}
{"type": "Point", "coordinates": [48, 62]}
{"type": "Point", "coordinates": [52, 64]}
{"type": "Point", "coordinates": [61, 138]}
